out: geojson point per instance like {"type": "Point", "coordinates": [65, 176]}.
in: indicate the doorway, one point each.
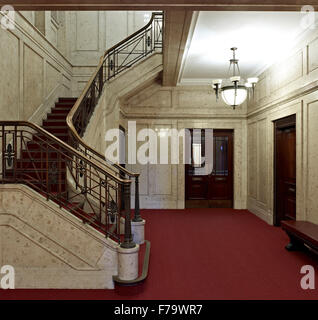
{"type": "Point", "coordinates": [213, 190]}
{"type": "Point", "coordinates": [285, 169]}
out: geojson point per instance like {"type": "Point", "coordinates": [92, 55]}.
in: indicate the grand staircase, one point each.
{"type": "Point", "coordinates": [55, 161]}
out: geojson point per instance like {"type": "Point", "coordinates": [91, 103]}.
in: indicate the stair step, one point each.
{"type": "Point", "coordinates": [56, 129]}
{"type": "Point", "coordinates": [64, 105]}
{"type": "Point", "coordinates": [67, 99]}
{"type": "Point", "coordinates": [37, 154]}
{"type": "Point", "coordinates": [54, 122]}
{"type": "Point", "coordinates": [56, 116]}
{"type": "Point", "coordinates": [42, 138]}
{"type": "Point", "coordinates": [37, 164]}
{"type": "Point", "coordinates": [34, 171]}
{"type": "Point", "coordinates": [28, 173]}
{"type": "Point", "coordinates": [60, 111]}
{"type": "Point", "coordinates": [54, 126]}
{"type": "Point", "coordinates": [33, 145]}
{"type": "Point", "coordinates": [39, 177]}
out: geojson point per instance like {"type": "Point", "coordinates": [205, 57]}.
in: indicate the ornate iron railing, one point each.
{"type": "Point", "coordinates": [116, 60]}
{"type": "Point", "coordinates": [33, 156]}
{"type": "Point", "coordinates": [74, 175]}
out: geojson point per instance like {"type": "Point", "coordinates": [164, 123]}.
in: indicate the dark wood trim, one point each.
{"type": "Point", "coordinates": [301, 233]}
{"type": "Point", "coordinates": [213, 5]}
{"type": "Point", "coordinates": [282, 123]}
{"type": "Point", "coordinates": [207, 201]}
{"type": "Point", "coordinates": [286, 122]}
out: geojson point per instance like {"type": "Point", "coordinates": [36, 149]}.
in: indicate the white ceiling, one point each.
{"type": "Point", "coordinates": [261, 38]}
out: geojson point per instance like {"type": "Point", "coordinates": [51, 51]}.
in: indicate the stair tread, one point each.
{"type": "Point", "coordinates": [56, 116]}
{"type": "Point", "coordinates": [61, 108]}
{"type": "Point", "coordinates": [67, 103]}
{"type": "Point", "coordinates": [55, 127]}
{"type": "Point", "coordinates": [58, 134]}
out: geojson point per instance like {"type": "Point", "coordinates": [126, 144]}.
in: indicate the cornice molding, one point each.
{"type": "Point", "coordinates": [296, 94]}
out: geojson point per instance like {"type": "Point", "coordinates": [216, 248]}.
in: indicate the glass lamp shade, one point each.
{"type": "Point", "coordinates": [234, 97]}
{"type": "Point", "coordinates": [252, 80]}
{"type": "Point", "coordinates": [216, 81]}
{"type": "Point", "coordinates": [235, 78]}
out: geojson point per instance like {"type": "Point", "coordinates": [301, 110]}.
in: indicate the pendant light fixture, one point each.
{"type": "Point", "coordinates": [235, 93]}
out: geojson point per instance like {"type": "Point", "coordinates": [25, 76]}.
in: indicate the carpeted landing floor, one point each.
{"type": "Point", "coordinates": [207, 254]}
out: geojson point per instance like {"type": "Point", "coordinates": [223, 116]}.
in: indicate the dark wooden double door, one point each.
{"type": "Point", "coordinates": [212, 189]}
{"type": "Point", "coordinates": [285, 169]}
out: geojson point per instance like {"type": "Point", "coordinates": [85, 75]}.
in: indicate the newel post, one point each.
{"type": "Point", "coordinates": [137, 216]}
{"type": "Point", "coordinates": [128, 238]}
{"type": "Point", "coordinates": [100, 79]}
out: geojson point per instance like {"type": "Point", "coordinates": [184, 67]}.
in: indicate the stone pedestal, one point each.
{"type": "Point", "coordinates": [128, 263]}
{"type": "Point", "coordinates": [138, 231]}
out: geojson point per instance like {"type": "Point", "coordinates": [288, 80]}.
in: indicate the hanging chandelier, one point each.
{"type": "Point", "coordinates": [236, 92]}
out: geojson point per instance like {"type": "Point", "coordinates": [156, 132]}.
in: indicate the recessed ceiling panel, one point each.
{"type": "Point", "coordinates": [261, 38]}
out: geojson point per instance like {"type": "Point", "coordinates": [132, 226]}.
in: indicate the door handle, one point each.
{"type": "Point", "coordinates": [197, 179]}
{"type": "Point", "coordinates": [220, 179]}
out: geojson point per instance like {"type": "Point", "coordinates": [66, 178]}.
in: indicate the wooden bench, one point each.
{"type": "Point", "coordinates": [301, 233]}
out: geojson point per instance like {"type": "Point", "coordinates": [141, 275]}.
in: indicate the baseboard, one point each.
{"type": "Point", "coordinates": [254, 207]}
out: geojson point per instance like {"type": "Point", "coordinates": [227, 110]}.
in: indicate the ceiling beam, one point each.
{"type": "Point", "coordinates": [177, 26]}
{"type": "Point", "coordinates": [243, 5]}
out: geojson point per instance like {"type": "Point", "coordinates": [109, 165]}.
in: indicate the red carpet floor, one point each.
{"type": "Point", "coordinates": [207, 254]}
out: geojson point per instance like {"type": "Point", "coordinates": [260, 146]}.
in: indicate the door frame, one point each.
{"type": "Point", "coordinates": [281, 123]}
{"type": "Point", "coordinates": [230, 131]}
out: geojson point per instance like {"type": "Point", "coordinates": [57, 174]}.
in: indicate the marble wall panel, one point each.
{"type": "Point", "coordinates": [10, 71]}
{"type": "Point", "coordinates": [33, 82]}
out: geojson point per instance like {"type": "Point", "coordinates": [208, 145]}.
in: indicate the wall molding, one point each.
{"type": "Point", "coordinates": [296, 94]}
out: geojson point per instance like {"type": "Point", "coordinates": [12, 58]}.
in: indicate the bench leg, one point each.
{"type": "Point", "coordinates": [295, 244]}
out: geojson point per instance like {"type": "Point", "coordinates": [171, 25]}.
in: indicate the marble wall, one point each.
{"type": "Point", "coordinates": [93, 32]}
{"type": "Point", "coordinates": [50, 248]}
{"type": "Point", "coordinates": [51, 54]}
{"type": "Point", "coordinates": [34, 73]}
{"type": "Point", "coordinates": [163, 185]}
{"type": "Point", "coordinates": [288, 87]}
{"type": "Point", "coordinates": [182, 107]}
